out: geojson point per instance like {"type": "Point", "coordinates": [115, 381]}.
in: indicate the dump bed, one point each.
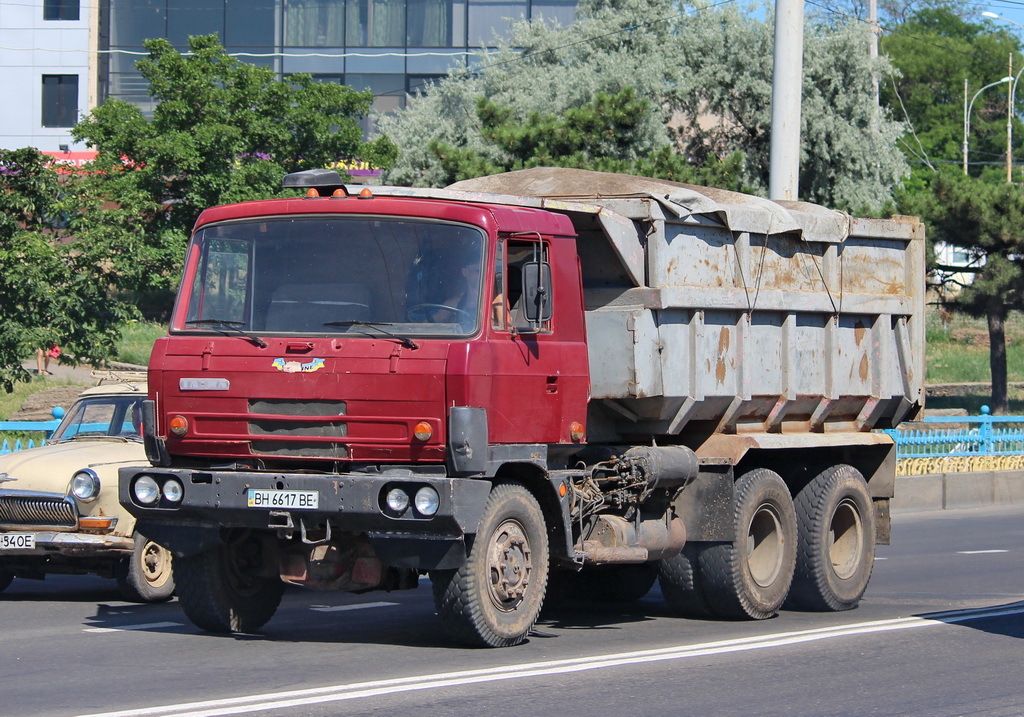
{"type": "Point", "coordinates": [713, 311]}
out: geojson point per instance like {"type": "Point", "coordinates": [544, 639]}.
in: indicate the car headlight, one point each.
{"type": "Point", "coordinates": [85, 484]}
{"type": "Point", "coordinates": [147, 491]}
{"type": "Point", "coordinates": [426, 501]}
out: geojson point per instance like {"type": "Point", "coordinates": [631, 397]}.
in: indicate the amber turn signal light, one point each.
{"type": "Point", "coordinates": [178, 425]}
{"type": "Point", "coordinates": [576, 431]}
{"type": "Point", "coordinates": [423, 431]}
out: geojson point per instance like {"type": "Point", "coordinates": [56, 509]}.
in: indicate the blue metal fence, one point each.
{"type": "Point", "coordinates": [945, 444]}
{"type": "Point", "coordinates": [45, 427]}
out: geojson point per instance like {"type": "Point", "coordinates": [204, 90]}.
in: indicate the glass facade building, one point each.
{"type": "Point", "coordinates": [390, 47]}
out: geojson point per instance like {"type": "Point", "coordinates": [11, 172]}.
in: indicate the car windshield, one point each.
{"type": "Point", "coordinates": [118, 416]}
{"type": "Point", "coordinates": [324, 275]}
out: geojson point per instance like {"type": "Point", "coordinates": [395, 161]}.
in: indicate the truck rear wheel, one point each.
{"type": "Point", "coordinates": [5, 580]}
{"type": "Point", "coordinates": [680, 578]}
{"type": "Point", "coordinates": [224, 589]}
{"type": "Point", "coordinates": [750, 576]}
{"type": "Point", "coordinates": [145, 576]}
{"type": "Point", "coordinates": [495, 598]}
{"type": "Point", "coordinates": [836, 552]}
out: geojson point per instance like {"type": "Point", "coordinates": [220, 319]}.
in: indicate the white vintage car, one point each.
{"type": "Point", "coordinates": [59, 511]}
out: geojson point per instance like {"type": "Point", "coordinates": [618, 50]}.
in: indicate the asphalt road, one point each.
{"type": "Point", "coordinates": [939, 633]}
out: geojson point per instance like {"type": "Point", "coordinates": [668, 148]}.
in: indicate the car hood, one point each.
{"type": "Point", "coordinates": [49, 468]}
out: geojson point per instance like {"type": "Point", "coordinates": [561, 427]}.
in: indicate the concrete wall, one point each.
{"type": "Point", "coordinates": [947, 491]}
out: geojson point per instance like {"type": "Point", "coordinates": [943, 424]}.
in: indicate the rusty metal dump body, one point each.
{"type": "Point", "coordinates": [713, 312]}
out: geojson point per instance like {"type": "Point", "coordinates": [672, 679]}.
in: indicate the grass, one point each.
{"type": "Point", "coordinates": [137, 339]}
{"type": "Point", "coordinates": [11, 402]}
{"type": "Point", "coordinates": [958, 352]}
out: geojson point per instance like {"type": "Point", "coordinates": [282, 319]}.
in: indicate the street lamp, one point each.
{"type": "Point", "coordinates": [1012, 106]}
{"type": "Point", "coordinates": [969, 105]}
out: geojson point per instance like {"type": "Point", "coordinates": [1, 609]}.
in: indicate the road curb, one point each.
{"type": "Point", "coordinates": [950, 491]}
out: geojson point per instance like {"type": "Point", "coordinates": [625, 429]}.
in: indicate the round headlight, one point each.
{"type": "Point", "coordinates": [426, 501]}
{"type": "Point", "coordinates": [85, 484]}
{"type": "Point", "coordinates": [147, 492]}
{"type": "Point", "coordinates": [173, 490]}
{"type": "Point", "coordinates": [397, 500]}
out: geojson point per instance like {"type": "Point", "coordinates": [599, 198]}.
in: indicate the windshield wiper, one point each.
{"type": "Point", "coordinates": [404, 340]}
{"type": "Point", "coordinates": [231, 328]}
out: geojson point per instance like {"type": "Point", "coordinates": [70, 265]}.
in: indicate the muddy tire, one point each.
{"type": "Point", "coordinates": [495, 598]}
{"type": "Point", "coordinates": [680, 578]}
{"type": "Point", "coordinates": [836, 544]}
{"type": "Point", "coordinates": [750, 576]}
{"type": "Point", "coordinates": [146, 576]}
{"type": "Point", "coordinates": [5, 580]}
{"type": "Point", "coordinates": [225, 590]}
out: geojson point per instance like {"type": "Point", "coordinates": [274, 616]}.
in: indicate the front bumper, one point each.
{"type": "Point", "coordinates": [72, 545]}
{"type": "Point", "coordinates": [349, 503]}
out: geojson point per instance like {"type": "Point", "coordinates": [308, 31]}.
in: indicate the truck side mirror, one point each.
{"type": "Point", "coordinates": [537, 291]}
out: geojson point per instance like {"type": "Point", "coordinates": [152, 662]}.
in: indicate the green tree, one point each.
{"type": "Point", "coordinates": [221, 131]}
{"type": "Point", "coordinates": [53, 288]}
{"type": "Point", "coordinates": [935, 52]}
{"type": "Point", "coordinates": [985, 218]}
{"type": "Point", "coordinates": [705, 75]}
{"type": "Point", "coordinates": [597, 136]}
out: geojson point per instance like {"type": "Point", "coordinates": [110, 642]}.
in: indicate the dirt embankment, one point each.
{"type": "Point", "coordinates": [39, 406]}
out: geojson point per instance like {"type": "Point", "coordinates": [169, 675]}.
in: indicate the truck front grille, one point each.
{"type": "Point", "coordinates": [38, 511]}
{"type": "Point", "coordinates": [288, 422]}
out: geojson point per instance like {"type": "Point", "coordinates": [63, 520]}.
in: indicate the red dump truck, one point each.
{"type": "Point", "coordinates": [550, 381]}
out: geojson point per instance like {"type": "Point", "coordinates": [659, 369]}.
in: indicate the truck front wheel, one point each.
{"type": "Point", "coordinates": [495, 598]}
{"type": "Point", "coordinates": [837, 541]}
{"type": "Point", "coordinates": [146, 576]}
{"type": "Point", "coordinates": [226, 589]}
{"type": "Point", "coordinates": [750, 576]}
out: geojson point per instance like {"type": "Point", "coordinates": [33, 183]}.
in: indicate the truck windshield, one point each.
{"type": "Point", "coordinates": [327, 274]}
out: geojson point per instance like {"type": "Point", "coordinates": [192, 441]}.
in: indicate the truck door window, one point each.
{"type": "Point", "coordinates": [509, 311]}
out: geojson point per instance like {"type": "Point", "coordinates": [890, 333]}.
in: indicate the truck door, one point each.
{"type": "Point", "coordinates": [529, 357]}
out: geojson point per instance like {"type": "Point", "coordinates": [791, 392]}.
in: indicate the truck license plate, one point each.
{"type": "Point", "coordinates": [299, 499]}
{"type": "Point", "coordinates": [17, 541]}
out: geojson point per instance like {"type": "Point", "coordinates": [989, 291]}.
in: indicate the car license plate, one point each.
{"type": "Point", "coordinates": [17, 541]}
{"type": "Point", "coordinates": [298, 499]}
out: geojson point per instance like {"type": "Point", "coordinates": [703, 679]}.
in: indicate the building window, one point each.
{"type": "Point", "coordinates": [430, 23]}
{"type": "Point", "coordinates": [60, 9]}
{"type": "Point", "coordinates": [314, 23]}
{"type": "Point", "coordinates": [60, 100]}
{"type": "Point", "coordinates": [375, 23]}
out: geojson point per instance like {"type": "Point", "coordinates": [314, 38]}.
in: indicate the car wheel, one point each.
{"type": "Point", "coordinates": [146, 576]}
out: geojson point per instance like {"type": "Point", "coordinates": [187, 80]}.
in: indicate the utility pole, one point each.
{"type": "Point", "coordinates": [787, 92]}
{"type": "Point", "coordinates": [875, 31]}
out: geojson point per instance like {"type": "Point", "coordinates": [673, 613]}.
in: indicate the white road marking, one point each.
{"type": "Point", "coordinates": [338, 693]}
{"type": "Point", "coordinates": [144, 626]}
{"type": "Point", "coordinates": [360, 606]}
{"type": "Point", "coordinates": [980, 552]}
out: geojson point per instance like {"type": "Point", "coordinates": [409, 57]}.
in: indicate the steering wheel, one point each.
{"type": "Point", "coordinates": [421, 308]}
